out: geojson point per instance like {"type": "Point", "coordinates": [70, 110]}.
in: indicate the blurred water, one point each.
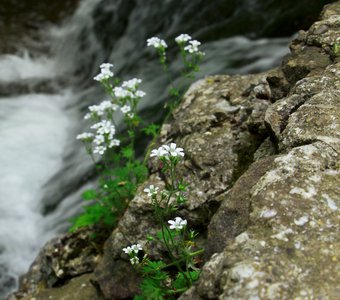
{"type": "Point", "coordinates": [41, 164]}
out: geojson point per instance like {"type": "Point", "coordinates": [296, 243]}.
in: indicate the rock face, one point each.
{"type": "Point", "coordinates": [262, 160]}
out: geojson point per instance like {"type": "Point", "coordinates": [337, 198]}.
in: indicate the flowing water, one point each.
{"type": "Point", "coordinates": [43, 95]}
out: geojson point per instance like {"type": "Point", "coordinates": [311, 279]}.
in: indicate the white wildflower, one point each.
{"type": "Point", "coordinates": [136, 248]}
{"type": "Point", "coordinates": [114, 143]}
{"type": "Point", "coordinates": [87, 116]}
{"type": "Point", "coordinates": [177, 224]}
{"type": "Point", "coordinates": [95, 110]}
{"type": "Point", "coordinates": [168, 151]}
{"type": "Point", "coordinates": [105, 72]}
{"type": "Point", "coordinates": [157, 43]}
{"type": "Point", "coordinates": [127, 250]}
{"type": "Point", "coordinates": [133, 249]}
{"type": "Point", "coordinates": [193, 47]}
{"type": "Point", "coordinates": [104, 127]}
{"type": "Point", "coordinates": [86, 136]}
{"type": "Point", "coordinates": [121, 92]}
{"type": "Point", "coordinates": [99, 139]}
{"type": "Point", "coordinates": [151, 190]}
{"type": "Point", "coordinates": [125, 109]}
{"type": "Point", "coordinates": [106, 66]}
{"type": "Point", "coordinates": [130, 115]}
{"type": "Point", "coordinates": [132, 83]}
{"type": "Point", "coordinates": [160, 152]}
{"type": "Point", "coordinates": [173, 151]}
{"type": "Point", "coordinates": [140, 94]}
{"type": "Point", "coordinates": [99, 149]}
{"type": "Point", "coordinates": [134, 260]}
{"type": "Point", "coordinates": [182, 38]}
{"type": "Point", "coordinates": [105, 106]}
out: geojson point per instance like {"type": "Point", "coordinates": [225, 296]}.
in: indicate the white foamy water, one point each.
{"type": "Point", "coordinates": [15, 68]}
{"type": "Point", "coordinates": [34, 130]}
{"type": "Point", "coordinates": [37, 134]}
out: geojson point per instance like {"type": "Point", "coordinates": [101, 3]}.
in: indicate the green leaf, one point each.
{"type": "Point", "coordinates": [153, 266]}
{"type": "Point", "coordinates": [181, 283]}
{"type": "Point", "coordinates": [89, 195]}
{"type": "Point", "coordinates": [151, 129]}
{"type": "Point", "coordinates": [93, 214]}
{"type": "Point", "coordinates": [152, 290]}
{"type": "Point", "coordinates": [168, 235]}
{"type": "Point", "coordinates": [127, 152]}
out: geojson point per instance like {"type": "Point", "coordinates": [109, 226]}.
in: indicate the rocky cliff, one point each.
{"type": "Point", "coordinates": [262, 160]}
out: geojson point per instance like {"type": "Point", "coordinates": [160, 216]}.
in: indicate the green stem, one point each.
{"type": "Point", "coordinates": [193, 254]}
{"type": "Point", "coordinates": [175, 262]}
{"type": "Point", "coordinates": [177, 291]}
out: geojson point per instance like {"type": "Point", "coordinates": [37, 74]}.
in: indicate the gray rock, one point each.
{"type": "Point", "coordinates": [62, 258]}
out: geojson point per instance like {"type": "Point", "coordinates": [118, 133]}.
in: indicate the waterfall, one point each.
{"type": "Point", "coordinates": [44, 94]}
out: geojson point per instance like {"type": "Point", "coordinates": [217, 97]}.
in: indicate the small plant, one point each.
{"type": "Point", "coordinates": [164, 279]}
{"type": "Point", "coordinates": [120, 171]}
{"type": "Point", "coordinates": [191, 58]}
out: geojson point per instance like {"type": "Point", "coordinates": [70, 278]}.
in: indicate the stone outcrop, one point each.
{"type": "Point", "coordinates": [262, 160]}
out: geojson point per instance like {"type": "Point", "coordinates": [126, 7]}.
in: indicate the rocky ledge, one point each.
{"type": "Point", "coordinates": [262, 160]}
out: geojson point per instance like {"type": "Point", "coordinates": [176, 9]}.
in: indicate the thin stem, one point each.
{"type": "Point", "coordinates": [172, 256]}
{"type": "Point", "coordinates": [193, 254]}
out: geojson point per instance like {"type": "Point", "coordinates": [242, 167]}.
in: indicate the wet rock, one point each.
{"type": "Point", "coordinates": [63, 258]}
{"type": "Point", "coordinates": [232, 217]}
{"type": "Point", "coordinates": [303, 61]}
{"type": "Point", "coordinates": [212, 125]}
{"type": "Point", "coordinates": [206, 285]}
{"type": "Point", "coordinates": [325, 32]}
{"type": "Point", "coordinates": [311, 113]}
{"type": "Point", "coordinates": [291, 241]}
{"type": "Point", "coordinates": [278, 84]}
{"type": "Point", "coordinates": [20, 19]}
{"type": "Point", "coordinates": [277, 114]}
{"type": "Point", "coordinates": [77, 288]}
{"type": "Point", "coordinates": [288, 244]}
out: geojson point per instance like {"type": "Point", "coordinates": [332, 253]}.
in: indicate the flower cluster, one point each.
{"type": "Point", "coordinates": [124, 97]}
{"type": "Point", "coordinates": [167, 152]}
{"type": "Point", "coordinates": [132, 84]}
{"type": "Point", "coordinates": [151, 190]}
{"type": "Point", "coordinates": [183, 38]}
{"type": "Point", "coordinates": [132, 251]}
{"type": "Point", "coordinates": [125, 109]}
{"type": "Point", "coordinates": [105, 72]}
{"type": "Point", "coordinates": [104, 137]}
{"type": "Point", "coordinates": [178, 223]}
{"type": "Point", "coordinates": [97, 111]}
{"type": "Point", "coordinates": [156, 43]}
{"type": "Point", "coordinates": [85, 137]}
{"type": "Point", "coordinates": [128, 89]}
{"type": "Point", "coordinates": [191, 46]}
